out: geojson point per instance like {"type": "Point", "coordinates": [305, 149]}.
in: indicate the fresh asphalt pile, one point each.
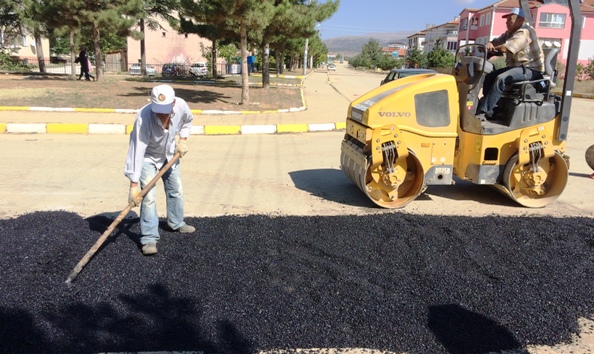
{"type": "Point", "coordinates": [397, 282]}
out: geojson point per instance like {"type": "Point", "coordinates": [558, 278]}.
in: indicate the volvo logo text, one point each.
{"type": "Point", "coordinates": [394, 114]}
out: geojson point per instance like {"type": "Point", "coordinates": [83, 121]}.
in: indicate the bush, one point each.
{"type": "Point", "coordinates": [10, 63]}
{"type": "Point", "coordinates": [589, 69]}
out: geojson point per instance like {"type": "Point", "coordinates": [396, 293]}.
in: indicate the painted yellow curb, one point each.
{"type": "Point", "coordinates": [95, 110]}
{"type": "Point", "coordinates": [222, 129]}
{"type": "Point", "coordinates": [129, 128]}
{"type": "Point", "coordinates": [292, 128]}
{"type": "Point", "coordinates": [2, 128]}
{"type": "Point", "coordinates": [341, 125]}
{"type": "Point", "coordinates": [14, 108]}
{"type": "Point", "coordinates": [59, 128]}
{"type": "Point", "coordinates": [196, 111]}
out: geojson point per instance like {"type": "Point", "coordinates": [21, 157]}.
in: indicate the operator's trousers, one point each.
{"type": "Point", "coordinates": [149, 219]}
{"type": "Point", "coordinates": [496, 82]}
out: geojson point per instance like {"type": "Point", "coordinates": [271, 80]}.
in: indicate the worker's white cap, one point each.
{"type": "Point", "coordinates": [162, 99]}
{"type": "Point", "coordinates": [515, 11]}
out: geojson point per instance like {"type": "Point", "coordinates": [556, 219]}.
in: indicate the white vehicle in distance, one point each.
{"type": "Point", "coordinates": [331, 66]}
{"type": "Point", "coordinates": [135, 70]}
{"type": "Point", "coordinates": [199, 69]}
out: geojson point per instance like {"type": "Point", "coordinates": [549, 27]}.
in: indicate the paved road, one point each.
{"type": "Point", "coordinates": [290, 174]}
{"type": "Point", "coordinates": [275, 174]}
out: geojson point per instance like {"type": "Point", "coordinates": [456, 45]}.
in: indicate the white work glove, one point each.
{"type": "Point", "coordinates": [181, 147]}
{"type": "Point", "coordinates": [133, 195]}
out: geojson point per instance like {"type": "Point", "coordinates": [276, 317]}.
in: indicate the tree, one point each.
{"type": "Point", "coordinates": [61, 17]}
{"type": "Point", "coordinates": [10, 18]}
{"type": "Point", "coordinates": [370, 57]}
{"type": "Point", "coordinates": [241, 17]}
{"type": "Point", "coordinates": [439, 57]}
{"type": "Point", "coordinates": [115, 16]}
{"type": "Point", "coordinates": [193, 19]}
{"type": "Point", "coordinates": [155, 8]}
{"type": "Point", "coordinates": [293, 21]}
{"type": "Point", "coordinates": [415, 58]}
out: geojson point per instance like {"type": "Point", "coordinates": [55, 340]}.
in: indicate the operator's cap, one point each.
{"type": "Point", "coordinates": [162, 98]}
{"type": "Point", "coordinates": [515, 11]}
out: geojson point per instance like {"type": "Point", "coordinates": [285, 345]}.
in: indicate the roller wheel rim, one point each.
{"type": "Point", "coordinates": [383, 195]}
{"type": "Point", "coordinates": [540, 189]}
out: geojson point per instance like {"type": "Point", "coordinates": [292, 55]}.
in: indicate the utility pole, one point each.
{"type": "Point", "coordinates": [305, 52]}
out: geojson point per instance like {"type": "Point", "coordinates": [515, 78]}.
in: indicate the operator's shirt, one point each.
{"type": "Point", "coordinates": [151, 142]}
{"type": "Point", "coordinates": [523, 48]}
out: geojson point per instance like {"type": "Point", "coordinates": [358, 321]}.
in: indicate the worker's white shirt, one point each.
{"type": "Point", "coordinates": [150, 142]}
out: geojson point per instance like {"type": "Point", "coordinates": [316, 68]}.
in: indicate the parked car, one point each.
{"type": "Point", "coordinates": [199, 69]}
{"type": "Point", "coordinates": [332, 66]}
{"type": "Point", "coordinates": [58, 60]}
{"type": "Point", "coordinates": [135, 70]}
{"type": "Point", "coordinates": [173, 70]}
{"type": "Point", "coordinates": [396, 74]}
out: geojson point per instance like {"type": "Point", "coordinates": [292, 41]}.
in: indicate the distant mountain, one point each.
{"type": "Point", "coordinates": [351, 45]}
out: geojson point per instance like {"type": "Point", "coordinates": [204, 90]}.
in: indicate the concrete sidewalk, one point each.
{"type": "Point", "coordinates": [323, 109]}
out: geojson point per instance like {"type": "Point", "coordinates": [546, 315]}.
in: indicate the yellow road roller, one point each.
{"type": "Point", "coordinates": [423, 130]}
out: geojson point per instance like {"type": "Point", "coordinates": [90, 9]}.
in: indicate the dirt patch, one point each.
{"type": "Point", "coordinates": [121, 92]}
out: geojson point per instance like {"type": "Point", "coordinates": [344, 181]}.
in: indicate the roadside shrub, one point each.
{"type": "Point", "coordinates": [10, 63]}
{"type": "Point", "coordinates": [580, 70]}
{"type": "Point", "coordinates": [589, 69]}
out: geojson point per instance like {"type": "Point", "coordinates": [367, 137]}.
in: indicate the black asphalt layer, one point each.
{"type": "Point", "coordinates": [395, 281]}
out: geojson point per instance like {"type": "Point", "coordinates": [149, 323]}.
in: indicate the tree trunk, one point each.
{"type": "Point", "coordinates": [39, 50]}
{"type": "Point", "coordinates": [142, 50]}
{"type": "Point", "coordinates": [214, 59]}
{"type": "Point", "coordinates": [245, 84]}
{"type": "Point", "coordinates": [97, 48]}
{"type": "Point", "coordinates": [276, 56]}
{"type": "Point", "coordinates": [72, 54]}
{"type": "Point", "coordinates": [266, 66]}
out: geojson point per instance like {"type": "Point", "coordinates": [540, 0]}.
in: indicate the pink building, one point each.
{"type": "Point", "coordinates": [551, 21]}
{"type": "Point", "coordinates": [167, 46]}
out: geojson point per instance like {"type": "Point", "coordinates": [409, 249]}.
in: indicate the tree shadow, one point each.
{"type": "Point", "coordinates": [190, 95]}
{"type": "Point", "coordinates": [154, 320]}
{"type": "Point", "coordinates": [462, 331]}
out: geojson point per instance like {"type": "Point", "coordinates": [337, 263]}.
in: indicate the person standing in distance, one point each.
{"type": "Point", "coordinates": [152, 144]}
{"type": "Point", "coordinates": [83, 60]}
{"type": "Point", "coordinates": [524, 60]}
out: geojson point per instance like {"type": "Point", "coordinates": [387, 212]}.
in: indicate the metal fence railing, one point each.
{"type": "Point", "coordinates": [57, 65]}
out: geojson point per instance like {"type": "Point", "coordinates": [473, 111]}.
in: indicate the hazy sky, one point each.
{"type": "Point", "coordinates": [359, 17]}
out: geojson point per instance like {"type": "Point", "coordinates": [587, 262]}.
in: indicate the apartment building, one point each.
{"type": "Point", "coordinates": [550, 19]}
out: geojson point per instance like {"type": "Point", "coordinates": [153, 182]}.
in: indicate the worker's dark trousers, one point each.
{"type": "Point", "coordinates": [496, 83]}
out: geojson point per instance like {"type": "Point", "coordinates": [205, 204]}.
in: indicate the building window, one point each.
{"type": "Point", "coordinates": [488, 22]}
{"type": "Point", "coordinates": [24, 41]}
{"type": "Point", "coordinates": [452, 46]}
{"type": "Point", "coordinates": [482, 21]}
{"type": "Point", "coordinates": [549, 20]}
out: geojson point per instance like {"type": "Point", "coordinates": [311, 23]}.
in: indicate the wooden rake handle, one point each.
{"type": "Point", "coordinates": [119, 219]}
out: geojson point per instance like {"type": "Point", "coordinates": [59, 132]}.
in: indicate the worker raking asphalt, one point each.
{"type": "Point", "coordinates": [398, 282]}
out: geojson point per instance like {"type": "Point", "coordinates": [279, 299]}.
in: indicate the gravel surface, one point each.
{"type": "Point", "coordinates": [397, 282]}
